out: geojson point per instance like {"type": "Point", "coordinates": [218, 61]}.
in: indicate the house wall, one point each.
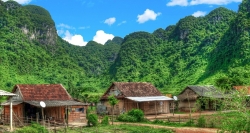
{"type": "Point", "coordinates": [18, 111]}
{"type": "Point", "coordinates": [77, 114]}
{"type": "Point", "coordinates": [184, 105]}
{"type": "Point", "coordinates": [125, 105]}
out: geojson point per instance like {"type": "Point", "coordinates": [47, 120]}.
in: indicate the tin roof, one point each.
{"type": "Point", "coordinates": [42, 92]}
{"type": "Point", "coordinates": [203, 91]}
{"type": "Point", "coordinates": [56, 103]}
{"type": "Point", "coordinates": [153, 98]}
{"type": "Point", "coordinates": [5, 93]}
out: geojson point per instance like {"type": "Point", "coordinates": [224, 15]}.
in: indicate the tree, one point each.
{"type": "Point", "coordinates": [112, 101]}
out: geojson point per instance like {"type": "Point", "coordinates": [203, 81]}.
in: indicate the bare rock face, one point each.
{"type": "Point", "coordinates": [43, 27]}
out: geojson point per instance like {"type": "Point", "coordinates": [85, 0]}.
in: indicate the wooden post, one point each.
{"type": "Point", "coordinates": [173, 108]}
{"type": "Point", "coordinates": [37, 116]}
{"type": "Point", "coordinates": [155, 110]}
{"type": "Point", "coordinates": [43, 118]}
{"type": "Point", "coordinates": [67, 116]}
{"type": "Point", "coordinates": [137, 105]}
{"type": "Point", "coordinates": [179, 119]}
{"type": "Point", "coordinates": [11, 128]}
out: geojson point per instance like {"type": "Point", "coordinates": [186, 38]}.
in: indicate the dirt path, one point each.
{"type": "Point", "coordinates": [175, 129]}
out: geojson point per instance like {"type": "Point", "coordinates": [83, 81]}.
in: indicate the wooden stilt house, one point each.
{"type": "Point", "coordinates": [136, 95]}
{"type": "Point", "coordinates": [60, 106]}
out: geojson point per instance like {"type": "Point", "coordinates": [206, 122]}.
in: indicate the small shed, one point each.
{"type": "Point", "coordinates": [196, 97]}
{"type": "Point", "coordinates": [136, 95]}
{"type": "Point", "coordinates": [60, 106]}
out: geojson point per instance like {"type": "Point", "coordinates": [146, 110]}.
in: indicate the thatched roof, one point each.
{"type": "Point", "coordinates": [201, 91]}
{"type": "Point", "coordinates": [133, 89]}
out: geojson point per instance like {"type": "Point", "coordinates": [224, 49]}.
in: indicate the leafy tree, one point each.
{"type": "Point", "coordinates": [112, 101]}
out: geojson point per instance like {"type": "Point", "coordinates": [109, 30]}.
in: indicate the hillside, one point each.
{"type": "Point", "coordinates": [206, 50]}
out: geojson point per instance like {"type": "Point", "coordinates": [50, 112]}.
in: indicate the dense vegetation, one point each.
{"type": "Point", "coordinates": [206, 50]}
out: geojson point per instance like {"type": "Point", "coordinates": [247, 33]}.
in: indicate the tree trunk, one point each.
{"type": "Point", "coordinates": [112, 114]}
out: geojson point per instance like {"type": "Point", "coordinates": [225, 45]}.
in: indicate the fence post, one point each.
{"type": "Point", "coordinates": [65, 126]}
{"type": "Point", "coordinates": [48, 124]}
{"type": "Point", "coordinates": [179, 119]}
{"type": "Point", "coordinates": [55, 126]}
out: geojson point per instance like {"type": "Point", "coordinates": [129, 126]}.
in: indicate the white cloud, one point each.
{"type": "Point", "coordinates": [198, 2]}
{"type": "Point", "coordinates": [110, 21]}
{"type": "Point", "coordinates": [123, 22]}
{"type": "Point", "coordinates": [21, 1]}
{"type": "Point", "coordinates": [178, 3]}
{"type": "Point", "coordinates": [212, 2]}
{"type": "Point", "coordinates": [147, 15]}
{"type": "Point", "coordinates": [199, 14]}
{"type": "Point", "coordinates": [102, 37]}
{"type": "Point", "coordinates": [74, 39]}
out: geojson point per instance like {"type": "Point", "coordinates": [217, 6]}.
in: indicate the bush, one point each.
{"type": "Point", "coordinates": [92, 119]}
{"type": "Point", "coordinates": [201, 121]}
{"type": "Point", "coordinates": [105, 120]}
{"type": "Point", "coordinates": [134, 115]}
{"type": "Point", "coordinates": [189, 123]}
{"type": "Point", "coordinates": [137, 114]}
{"type": "Point", "coordinates": [33, 128]}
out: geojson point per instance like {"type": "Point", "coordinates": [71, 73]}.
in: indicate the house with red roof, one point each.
{"type": "Point", "coordinates": [52, 100]}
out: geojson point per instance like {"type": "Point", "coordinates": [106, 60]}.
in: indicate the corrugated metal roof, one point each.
{"type": "Point", "coordinates": [5, 93]}
{"type": "Point", "coordinates": [55, 103]}
{"type": "Point", "coordinates": [153, 98]}
{"type": "Point", "coordinates": [13, 103]}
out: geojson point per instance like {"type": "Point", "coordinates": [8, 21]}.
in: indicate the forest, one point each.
{"type": "Point", "coordinates": [209, 50]}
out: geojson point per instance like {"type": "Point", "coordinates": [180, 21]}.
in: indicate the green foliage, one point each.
{"type": "Point", "coordinates": [214, 49]}
{"type": "Point", "coordinates": [112, 100]}
{"type": "Point", "coordinates": [201, 122]}
{"type": "Point", "coordinates": [92, 120]}
{"type": "Point", "coordinates": [105, 120]}
{"type": "Point", "coordinates": [134, 115]}
{"type": "Point", "coordinates": [33, 128]}
{"type": "Point", "coordinates": [137, 113]}
{"type": "Point", "coordinates": [190, 123]}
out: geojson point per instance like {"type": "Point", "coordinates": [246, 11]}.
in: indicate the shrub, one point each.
{"type": "Point", "coordinates": [190, 123]}
{"type": "Point", "coordinates": [92, 119]}
{"type": "Point", "coordinates": [201, 121]}
{"type": "Point", "coordinates": [134, 115]}
{"type": "Point", "coordinates": [126, 118]}
{"type": "Point", "coordinates": [105, 120]}
{"type": "Point", "coordinates": [137, 114]}
{"type": "Point", "coordinates": [33, 128]}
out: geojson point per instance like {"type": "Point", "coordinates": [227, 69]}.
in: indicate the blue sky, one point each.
{"type": "Point", "coordinates": [80, 21]}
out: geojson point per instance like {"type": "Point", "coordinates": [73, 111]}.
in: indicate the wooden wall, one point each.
{"type": "Point", "coordinates": [53, 113]}
{"type": "Point", "coordinates": [18, 111]}
{"type": "Point", "coordinates": [125, 105]}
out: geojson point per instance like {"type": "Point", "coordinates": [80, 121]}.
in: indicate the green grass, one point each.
{"type": "Point", "coordinates": [117, 129]}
